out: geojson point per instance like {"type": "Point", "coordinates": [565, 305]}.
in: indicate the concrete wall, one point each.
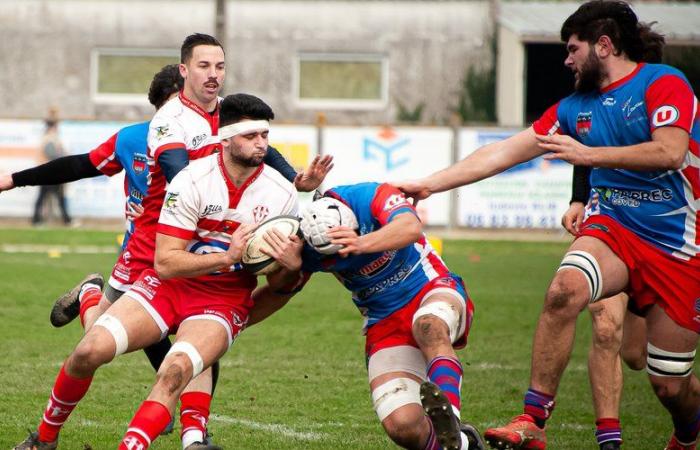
{"type": "Point", "coordinates": [45, 50]}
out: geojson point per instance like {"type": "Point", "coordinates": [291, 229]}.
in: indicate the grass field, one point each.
{"type": "Point", "coordinates": [298, 380]}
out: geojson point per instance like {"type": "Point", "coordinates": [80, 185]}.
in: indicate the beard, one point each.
{"type": "Point", "coordinates": [590, 75]}
{"type": "Point", "coordinates": [250, 161]}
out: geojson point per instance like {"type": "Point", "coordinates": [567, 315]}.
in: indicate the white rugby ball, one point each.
{"type": "Point", "coordinates": [253, 259]}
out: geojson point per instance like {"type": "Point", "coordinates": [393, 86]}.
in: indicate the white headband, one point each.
{"type": "Point", "coordinates": [243, 127]}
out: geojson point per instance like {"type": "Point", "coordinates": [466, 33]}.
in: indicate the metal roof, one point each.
{"type": "Point", "coordinates": [541, 21]}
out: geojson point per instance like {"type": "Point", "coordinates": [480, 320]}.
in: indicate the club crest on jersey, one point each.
{"type": "Point", "coordinates": [171, 199]}
{"type": "Point", "coordinates": [583, 123]}
{"type": "Point", "coordinates": [664, 115]}
{"type": "Point", "coordinates": [259, 213]}
{"type": "Point", "coordinates": [139, 163]}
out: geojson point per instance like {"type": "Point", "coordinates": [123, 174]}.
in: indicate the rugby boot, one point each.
{"type": "Point", "coordinates": [445, 423]}
{"type": "Point", "coordinates": [521, 433]}
{"type": "Point", "coordinates": [675, 444]}
{"type": "Point", "coordinates": [202, 446]}
{"type": "Point", "coordinates": [33, 443]}
{"type": "Point", "coordinates": [610, 445]}
{"type": "Point", "coordinates": [67, 307]}
{"type": "Point", "coordinates": [473, 436]}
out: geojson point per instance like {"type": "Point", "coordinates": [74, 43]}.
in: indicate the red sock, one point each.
{"type": "Point", "coordinates": [67, 392]}
{"type": "Point", "coordinates": [194, 415]}
{"type": "Point", "coordinates": [88, 298]}
{"type": "Point", "coordinates": [150, 419]}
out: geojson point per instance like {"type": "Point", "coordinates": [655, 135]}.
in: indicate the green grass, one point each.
{"type": "Point", "coordinates": [298, 380]}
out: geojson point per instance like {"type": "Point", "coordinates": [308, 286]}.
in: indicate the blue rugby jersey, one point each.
{"type": "Point", "coordinates": [126, 150]}
{"type": "Point", "coordinates": [382, 282]}
{"type": "Point", "coordinates": [659, 206]}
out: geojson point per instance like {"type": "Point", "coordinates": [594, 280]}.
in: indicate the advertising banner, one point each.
{"type": "Point", "coordinates": [534, 194]}
{"type": "Point", "coordinates": [390, 154]}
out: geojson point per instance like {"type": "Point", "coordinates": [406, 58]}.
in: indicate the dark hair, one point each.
{"type": "Point", "coordinates": [615, 19]}
{"type": "Point", "coordinates": [237, 107]}
{"type": "Point", "coordinates": [50, 123]}
{"type": "Point", "coordinates": [194, 40]}
{"type": "Point", "coordinates": [165, 83]}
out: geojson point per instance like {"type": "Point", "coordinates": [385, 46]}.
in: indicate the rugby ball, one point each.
{"type": "Point", "coordinates": [253, 258]}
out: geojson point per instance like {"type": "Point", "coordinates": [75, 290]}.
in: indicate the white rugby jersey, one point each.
{"type": "Point", "coordinates": [203, 205]}
{"type": "Point", "coordinates": [180, 123]}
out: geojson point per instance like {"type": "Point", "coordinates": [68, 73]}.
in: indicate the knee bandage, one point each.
{"type": "Point", "coordinates": [586, 264]}
{"type": "Point", "coordinates": [445, 312]}
{"type": "Point", "coordinates": [394, 394]}
{"type": "Point", "coordinates": [191, 352]}
{"type": "Point", "coordinates": [402, 358]}
{"type": "Point", "coordinates": [662, 363]}
{"type": "Point", "coordinates": [116, 329]}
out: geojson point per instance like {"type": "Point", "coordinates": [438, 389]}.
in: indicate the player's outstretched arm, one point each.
{"type": "Point", "coordinates": [404, 229]}
{"type": "Point", "coordinates": [485, 162]}
{"type": "Point", "coordinates": [665, 151]}
{"type": "Point", "coordinates": [311, 178]}
{"type": "Point", "coordinates": [59, 171]}
{"type": "Point", "coordinates": [6, 182]}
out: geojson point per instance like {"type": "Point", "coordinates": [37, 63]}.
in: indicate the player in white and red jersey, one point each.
{"type": "Point", "coordinates": [637, 126]}
{"type": "Point", "coordinates": [199, 289]}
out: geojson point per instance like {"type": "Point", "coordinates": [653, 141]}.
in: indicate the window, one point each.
{"type": "Point", "coordinates": [343, 81]}
{"type": "Point", "coordinates": [124, 75]}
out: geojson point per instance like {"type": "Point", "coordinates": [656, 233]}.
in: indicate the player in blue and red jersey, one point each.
{"type": "Point", "coordinates": [636, 125]}
{"type": "Point", "coordinates": [415, 311]}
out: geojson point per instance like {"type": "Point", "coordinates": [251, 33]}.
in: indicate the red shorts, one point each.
{"type": "Point", "coordinates": [655, 276]}
{"type": "Point", "coordinates": [173, 301]}
{"type": "Point", "coordinates": [397, 329]}
{"type": "Point", "coordinates": [128, 269]}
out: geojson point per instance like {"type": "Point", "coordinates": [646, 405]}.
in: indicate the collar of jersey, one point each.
{"type": "Point", "coordinates": [212, 119]}
{"type": "Point", "coordinates": [234, 193]}
{"type": "Point", "coordinates": [622, 80]}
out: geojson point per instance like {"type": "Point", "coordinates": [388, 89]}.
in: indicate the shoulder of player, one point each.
{"type": "Point", "coordinates": [273, 176]}
{"type": "Point", "coordinates": [655, 72]}
{"type": "Point", "coordinates": [172, 110]}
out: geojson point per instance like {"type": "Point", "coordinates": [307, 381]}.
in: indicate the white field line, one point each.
{"type": "Point", "coordinates": [43, 248]}
{"type": "Point", "coordinates": [271, 427]}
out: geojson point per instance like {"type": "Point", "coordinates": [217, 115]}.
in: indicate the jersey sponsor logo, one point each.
{"type": "Point", "coordinates": [628, 109]}
{"type": "Point", "coordinates": [162, 131]}
{"type": "Point", "coordinates": [394, 201]}
{"type": "Point", "coordinates": [171, 200]}
{"type": "Point", "coordinates": [211, 209]}
{"type": "Point", "coordinates": [377, 265]}
{"type": "Point", "coordinates": [664, 115]}
{"type": "Point", "coordinates": [620, 197]}
{"type": "Point", "coordinates": [198, 140]}
{"type": "Point", "coordinates": [259, 213]}
{"type": "Point", "coordinates": [583, 123]}
{"type": "Point", "coordinates": [139, 163]}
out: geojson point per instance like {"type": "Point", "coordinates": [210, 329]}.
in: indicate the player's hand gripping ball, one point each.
{"type": "Point", "coordinates": [253, 259]}
{"type": "Point", "coordinates": [319, 217]}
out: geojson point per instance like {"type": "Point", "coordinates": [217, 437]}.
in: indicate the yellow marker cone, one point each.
{"type": "Point", "coordinates": [436, 243]}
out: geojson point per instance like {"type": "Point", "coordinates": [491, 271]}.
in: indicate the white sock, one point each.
{"type": "Point", "coordinates": [85, 287]}
{"type": "Point", "coordinates": [465, 441]}
{"type": "Point", "coordinates": [189, 437]}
